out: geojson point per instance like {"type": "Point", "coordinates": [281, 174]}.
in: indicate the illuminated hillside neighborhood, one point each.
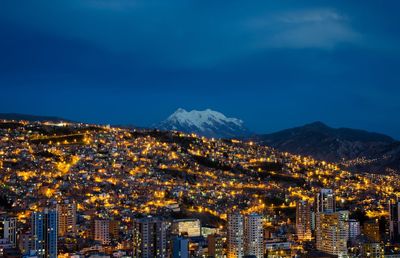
{"type": "Point", "coordinates": [80, 190]}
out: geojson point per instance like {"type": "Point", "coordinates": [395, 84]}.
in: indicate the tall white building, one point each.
{"type": "Point", "coordinates": [303, 220]}
{"type": "Point", "coordinates": [66, 218]}
{"type": "Point", "coordinates": [253, 235]}
{"type": "Point", "coordinates": [235, 235]}
{"type": "Point", "coordinates": [333, 232]}
{"type": "Point", "coordinates": [8, 232]}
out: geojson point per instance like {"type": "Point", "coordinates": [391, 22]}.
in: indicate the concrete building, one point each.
{"type": "Point", "coordinates": [186, 227]}
{"type": "Point", "coordinates": [100, 231]}
{"type": "Point", "coordinates": [253, 236]}
{"type": "Point", "coordinates": [66, 218]}
{"type": "Point", "coordinates": [372, 250]}
{"type": "Point", "coordinates": [180, 247]}
{"type": "Point", "coordinates": [303, 221]}
{"type": "Point", "coordinates": [371, 230]}
{"type": "Point", "coordinates": [235, 235]}
{"type": "Point", "coordinates": [45, 233]}
{"type": "Point", "coordinates": [325, 201]}
{"type": "Point", "coordinates": [394, 221]}
{"type": "Point", "coordinates": [354, 228]}
{"type": "Point", "coordinates": [333, 233]}
{"type": "Point", "coordinates": [278, 249]}
{"type": "Point", "coordinates": [8, 231]}
{"type": "Point", "coordinates": [114, 228]}
{"type": "Point", "coordinates": [25, 242]}
{"type": "Point", "coordinates": [149, 238]}
{"type": "Point", "coordinates": [215, 246]}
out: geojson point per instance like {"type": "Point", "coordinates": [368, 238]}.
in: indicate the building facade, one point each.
{"type": "Point", "coordinates": [333, 233]}
{"type": "Point", "coordinates": [371, 230]}
{"type": "Point", "coordinates": [215, 246]}
{"type": "Point", "coordinates": [354, 228]}
{"type": "Point", "coordinates": [45, 233]}
{"type": "Point", "coordinates": [235, 235]}
{"type": "Point", "coordinates": [325, 201]}
{"type": "Point", "coordinates": [66, 218]}
{"type": "Point", "coordinates": [372, 250]}
{"type": "Point", "coordinates": [149, 238]}
{"type": "Point", "coordinates": [180, 247]}
{"type": "Point", "coordinates": [8, 232]}
{"type": "Point", "coordinates": [100, 231]}
{"type": "Point", "coordinates": [253, 236]}
{"type": "Point", "coordinates": [303, 221]}
{"type": "Point", "coordinates": [187, 227]}
{"type": "Point", "coordinates": [394, 221]}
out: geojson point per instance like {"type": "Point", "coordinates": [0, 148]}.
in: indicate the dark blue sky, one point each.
{"type": "Point", "coordinates": [274, 64]}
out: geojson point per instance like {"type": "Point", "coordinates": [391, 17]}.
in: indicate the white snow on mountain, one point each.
{"type": "Point", "coordinates": [207, 123]}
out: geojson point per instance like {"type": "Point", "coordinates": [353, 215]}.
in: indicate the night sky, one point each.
{"type": "Point", "coordinates": [274, 64]}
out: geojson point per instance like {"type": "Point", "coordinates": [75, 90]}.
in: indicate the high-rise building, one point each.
{"type": "Point", "coordinates": [394, 221]}
{"type": "Point", "coordinates": [149, 238]}
{"type": "Point", "coordinates": [354, 228]}
{"type": "Point", "coordinates": [180, 247]}
{"type": "Point", "coordinates": [253, 236]}
{"type": "Point", "coordinates": [303, 221]}
{"type": "Point", "coordinates": [333, 232]}
{"type": "Point", "coordinates": [8, 232]}
{"type": "Point", "coordinates": [66, 218]}
{"type": "Point", "coordinates": [100, 231]}
{"type": "Point", "coordinates": [371, 230]}
{"type": "Point", "coordinates": [25, 242]}
{"type": "Point", "coordinates": [325, 201]}
{"type": "Point", "coordinates": [215, 246]}
{"type": "Point", "coordinates": [235, 235]}
{"type": "Point", "coordinates": [44, 232]}
{"type": "Point", "coordinates": [187, 227]}
{"type": "Point", "coordinates": [114, 229]}
{"type": "Point", "coordinates": [372, 250]}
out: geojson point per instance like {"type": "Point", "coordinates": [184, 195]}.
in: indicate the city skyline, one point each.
{"type": "Point", "coordinates": [135, 63]}
{"type": "Point", "coordinates": [199, 129]}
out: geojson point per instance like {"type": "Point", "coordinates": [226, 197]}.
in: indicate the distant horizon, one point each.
{"type": "Point", "coordinates": [152, 125]}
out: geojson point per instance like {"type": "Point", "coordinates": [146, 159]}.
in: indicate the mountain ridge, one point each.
{"type": "Point", "coordinates": [354, 148]}
{"type": "Point", "coordinates": [345, 132]}
{"type": "Point", "coordinates": [31, 118]}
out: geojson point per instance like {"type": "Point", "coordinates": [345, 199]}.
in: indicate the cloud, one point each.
{"type": "Point", "coordinates": [325, 36]}
{"type": "Point", "coordinates": [314, 28]}
{"type": "Point", "coordinates": [306, 16]}
{"type": "Point", "coordinates": [185, 34]}
{"type": "Point", "coordinates": [192, 34]}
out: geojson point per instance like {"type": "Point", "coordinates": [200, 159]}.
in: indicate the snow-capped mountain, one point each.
{"type": "Point", "coordinates": [207, 123]}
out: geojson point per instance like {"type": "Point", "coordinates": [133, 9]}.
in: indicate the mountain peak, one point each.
{"type": "Point", "coordinates": [317, 125]}
{"type": "Point", "coordinates": [206, 122]}
{"type": "Point", "coordinates": [180, 110]}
